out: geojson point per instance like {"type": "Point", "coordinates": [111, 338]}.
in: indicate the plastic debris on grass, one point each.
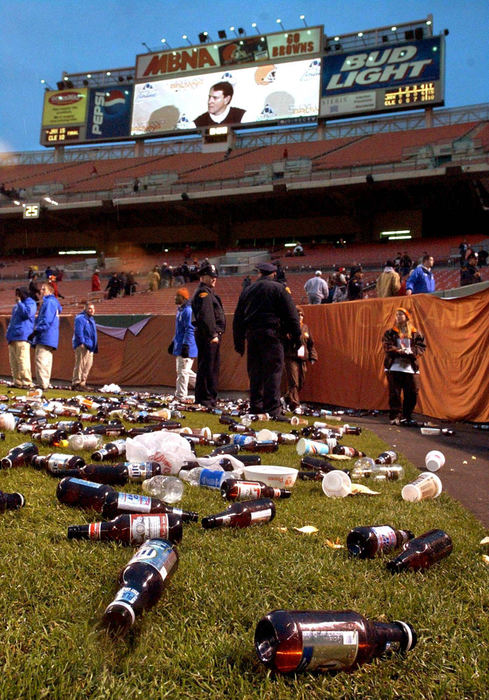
{"type": "Point", "coordinates": [360, 488]}
{"type": "Point", "coordinates": [306, 529]}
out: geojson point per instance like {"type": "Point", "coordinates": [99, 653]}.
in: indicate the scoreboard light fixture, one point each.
{"type": "Point", "coordinates": [185, 37]}
{"type": "Point", "coordinates": [303, 18]}
{"type": "Point", "coordinates": [255, 26]}
{"type": "Point", "coordinates": [222, 34]}
{"type": "Point", "coordinates": [279, 21]}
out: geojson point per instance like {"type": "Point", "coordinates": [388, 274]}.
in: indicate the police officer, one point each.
{"type": "Point", "coordinates": [210, 324]}
{"type": "Point", "coordinates": [265, 316]}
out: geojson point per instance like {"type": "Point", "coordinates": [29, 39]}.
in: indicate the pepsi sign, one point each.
{"type": "Point", "coordinates": [109, 113]}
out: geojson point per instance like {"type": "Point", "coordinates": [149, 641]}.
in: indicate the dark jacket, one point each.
{"type": "Point", "coordinates": [265, 304]}
{"type": "Point", "coordinates": [209, 319]}
{"type": "Point", "coordinates": [307, 342]}
{"type": "Point", "coordinates": [390, 346]}
{"type": "Point", "coordinates": [469, 275]}
{"type": "Point", "coordinates": [234, 116]}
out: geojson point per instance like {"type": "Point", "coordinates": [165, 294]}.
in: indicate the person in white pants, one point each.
{"type": "Point", "coordinates": [183, 345]}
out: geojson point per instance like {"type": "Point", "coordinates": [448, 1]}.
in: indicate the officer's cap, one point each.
{"type": "Point", "coordinates": [266, 268]}
{"type": "Point", "coordinates": [208, 269]}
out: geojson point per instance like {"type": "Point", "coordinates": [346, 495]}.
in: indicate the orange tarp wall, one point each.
{"type": "Point", "coordinates": [454, 371]}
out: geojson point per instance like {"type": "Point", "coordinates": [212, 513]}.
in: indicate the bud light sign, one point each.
{"type": "Point", "coordinates": [382, 78]}
{"type": "Point", "coordinates": [109, 113]}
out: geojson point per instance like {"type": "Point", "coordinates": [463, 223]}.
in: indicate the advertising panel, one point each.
{"type": "Point", "coordinates": [64, 107]}
{"type": "Point", "coordinates": [267, 47]}
{"type": "Point", "coordinates": [268, 92]}
{"type": "Point", "coordinates": [382, 79]}
{"type": "Point", "coordinates": [109, 113]}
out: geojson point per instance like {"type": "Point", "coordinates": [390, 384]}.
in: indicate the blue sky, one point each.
{"type": "Point", "coordinates": [42, 38]}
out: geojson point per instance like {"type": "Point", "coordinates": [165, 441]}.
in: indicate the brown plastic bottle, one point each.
{"type": "Point", "coordinates": [242, 514]}
{"type": "Point", "coordinates": [387, 457]}
{"type": "Point", "coordinates": [57, 463]}
{"type": "Point", "coordinates": [117, 502]}
{"type": "Point", "coordinates": [86, 494]}
{"type": "Point", "coordinates": [110, 450]}
{"type": "Point", "coordinates": [11, 501]}
{"type": "Point", "coordinates": [143, 580]}
{"type": "Point", "coordinates": [131, 528]}
{"type": "Point", "coordinates": [296, 640]}
{"type": "Point", "coordinates": [119, 473]}
{"type": "Point", "coordinates": [367, 542]}
{"type": "Point", "coordinates": [422, 552]}
{"type": "Point", "coordinates": [19, 455]}
{"type": "Point", "coordinates": [236, 490]}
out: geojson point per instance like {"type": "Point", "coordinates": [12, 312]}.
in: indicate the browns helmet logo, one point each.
{"type": "Point", "coordinates": [264, 75]}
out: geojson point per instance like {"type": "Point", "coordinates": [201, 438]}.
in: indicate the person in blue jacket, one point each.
{"type": "Point", "coordinates": [183, 345]}
{"type": "Point", "coordinates": [421, 280]}
{"type": "Point", "coordinates": [85, 346]}
{"type": "Point", "coordinates": [19, 329]}
{"type": "Point", "coordinates": [45, 336]}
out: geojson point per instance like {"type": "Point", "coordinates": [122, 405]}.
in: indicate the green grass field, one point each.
{"type": "Point", "coordinates": [198, 640]}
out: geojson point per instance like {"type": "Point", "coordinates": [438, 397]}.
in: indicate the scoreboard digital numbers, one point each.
{"type": "Point", "coordinates": [410, 94]}
{"type": "Point", "coordinates": [61, 134]}
{"type": "Point", "coordinates": [31, 211]}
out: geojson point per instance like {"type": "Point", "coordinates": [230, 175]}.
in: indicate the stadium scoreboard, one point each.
{"type": "Point", "coordinates": [273, 79]}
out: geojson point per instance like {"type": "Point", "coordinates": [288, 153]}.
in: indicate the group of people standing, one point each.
{"type": "Point", "coordinates": [35, 323]}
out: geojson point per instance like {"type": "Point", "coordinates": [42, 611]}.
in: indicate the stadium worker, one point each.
{"type": "Point", "coordinates": [85, 346]}
{"type": "Point", "coordinates": [317, 289]}
{"type": "Point", "coordinates": [19, 329]}
{"type": "Point", "coordinates": [421, 280]}
{"type": "Point", "coordinates": [183, 345]}
{"type": "Point", "coordinates": [388, 282]}
{"type": "Point", "coordinates": [210, 324]}
{"type": "Point", "coordinates": [219, 110]}
{"type": "Point", "coordinates": [45, 336]}
{"type": "Point", "coordinates": [265, 315]}
{"type": "Point", "coordinates": [402, 345]}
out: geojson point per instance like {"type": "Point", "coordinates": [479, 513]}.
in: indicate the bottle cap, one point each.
{"type": "Point", "coordinates": [336, 484]}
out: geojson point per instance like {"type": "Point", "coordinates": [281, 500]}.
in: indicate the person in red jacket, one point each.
{"type": "Point", "coordinates": [96, 285]}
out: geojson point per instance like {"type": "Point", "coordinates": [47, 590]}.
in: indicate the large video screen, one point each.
{"type": "Point", "coordinates": [272, 92]}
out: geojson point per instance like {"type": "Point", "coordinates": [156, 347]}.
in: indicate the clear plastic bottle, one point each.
{"type": "Point", "coordinates": [85, 442]}
{"type": "Point", "coordinates": [167, 488]}
{"type": "Point", "coordinates": [200, 476]}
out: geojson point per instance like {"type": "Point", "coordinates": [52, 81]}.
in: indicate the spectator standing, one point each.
{"type": "Point", "coordinates": [45, 336]}
{"type": "Point", "coordinates": [317, 289]}
{"type": "Point", "coordinates": [183, 345]}
{"type": "Point", "coordinates": [154, 280]}
{"type": "Point", "coordinates": [421, 280]}
{"type": "Point", "coordinates": [402, 345]}
{"type": "Point", "coordinates": [265, 315]}
{"type": "Point", "coordinates": [296, 360]}
{"type": "Point", "coordinates": [354, 288]}
{"type": "Point", "coordinates": [96, 285]}
{"type": "Point", "coordinates": [130, 284]}
{"type": "Point", "coordinates": [113, 286]}
{"type": "Point", "coordinates": [405, 264]}
{"type": "Point", "coordinates": [85, 346]}
{"type": "Point", "coordinates": [388, 282]}
{"type": "Point", "coordinates": [210, 324]}
{"type": "Point", "coordinates": [470, 274]}
{"type": "Point", "coordinates": [19, 329]}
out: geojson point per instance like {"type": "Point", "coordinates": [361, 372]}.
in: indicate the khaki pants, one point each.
{"type": "Point", "coordinates": [44, 365]}
{"type": "Point", "coordinates": [185, 376]}
{"type": "Point", "coordinates": [83, 365]}
{"type": "Point", "coordinates": [19, 355]}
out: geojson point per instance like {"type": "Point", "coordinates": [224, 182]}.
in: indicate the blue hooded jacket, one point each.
{"type": "Point", "coordinates": [184, 331]}
{"type": "Point", "coordinates": [85, 332]}
{"type": "Point", "coordinates": [46, 327]}
{"type": "Point", "coordinates": [22, 320]}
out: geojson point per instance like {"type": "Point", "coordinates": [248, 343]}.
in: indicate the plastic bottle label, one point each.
{"type": "Point", "coordinates": [145, 527]}
{"type": "Point", "coordinates": [138, 472]}
{"type": "Point", "coordinates": [332, 649]}
{"type": "Point", "coordinates": [211, 478]}
{"type": "Point", "coordinates": [126, 595]}
{"type": "Point", "coordinates": [386, 538]}
{"type": "Point", "coordinates": [156, 553]}
{"type": "Point", "coordinates": [133, 502]}
{"type": "Point", "coordinates": [242, 439]}
{"type": "Point", "coordinates": [248, 490]}
{"type": "Point", "coordinates": [58, 461]}
{"type": "Point", "coordinates": [259, 516]}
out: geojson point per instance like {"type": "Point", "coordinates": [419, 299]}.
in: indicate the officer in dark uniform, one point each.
{"type": "Point", "coordinates": [210, 324]}
{"type": "Point", "coordinates": [265, 316]}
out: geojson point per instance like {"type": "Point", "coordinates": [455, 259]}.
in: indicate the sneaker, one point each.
{"type": "Point", "coordinates": [395, 421]}
{"type": "Point", "coordinates": [408, 423]}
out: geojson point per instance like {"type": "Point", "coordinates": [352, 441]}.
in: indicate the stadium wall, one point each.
{"type": "Point", "coordinates": [454, 372]}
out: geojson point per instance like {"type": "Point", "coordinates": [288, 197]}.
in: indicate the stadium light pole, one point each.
{"type": "Point", "coordinates": [143, 43]}
{"type": "Point", "coordinates": [233, 29]}
{"type": "Point", "coordinates": [279, 21]}
{"type": "Point", "coordinates": [255, 26]}
{"type": "Point", "coordinates": [164, 41]}
{"type": "Point", "coordinates": [303, 18]}
{"type": "Point", "coordinates": [185, 37]}
{"type": "Point", "coordinates": [45, 85]}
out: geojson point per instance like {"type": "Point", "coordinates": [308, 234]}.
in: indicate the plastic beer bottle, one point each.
{"type": "Point", "coordinates": [236, 489]}
{"type": "Point", "coordinates": [131, 528]}
{"type": "Point", "coordinates": [422, 552]}
{"type": "Point", "coordinates": [242, 514]}
{"type": "Point", "coordinates": [366, 542]}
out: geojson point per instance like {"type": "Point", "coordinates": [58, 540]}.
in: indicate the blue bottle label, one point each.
{"type": "Point", "coordinates": [157, 553]}
{"type": "Point", "coordinates": [211, 478]}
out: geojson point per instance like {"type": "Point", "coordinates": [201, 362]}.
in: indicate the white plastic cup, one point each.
{"type": "Point", "coordinates": [312, 447]}
{"type": "Point", "coordinates": [7, 421]}
{"type": "Point", "coordinates": [434, 460]}
{"type": "Point", "coordinates": [427, 485]}
{"type": "Point", "coordinates": [336, 484]}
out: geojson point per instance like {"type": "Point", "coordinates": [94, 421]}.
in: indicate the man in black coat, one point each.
{"type": "Point", "coordinates": [210, 324]}
{"type": "Point", "coordinates": [218, 109]}
{"type": "Point", "coordinates": [264, 317]}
